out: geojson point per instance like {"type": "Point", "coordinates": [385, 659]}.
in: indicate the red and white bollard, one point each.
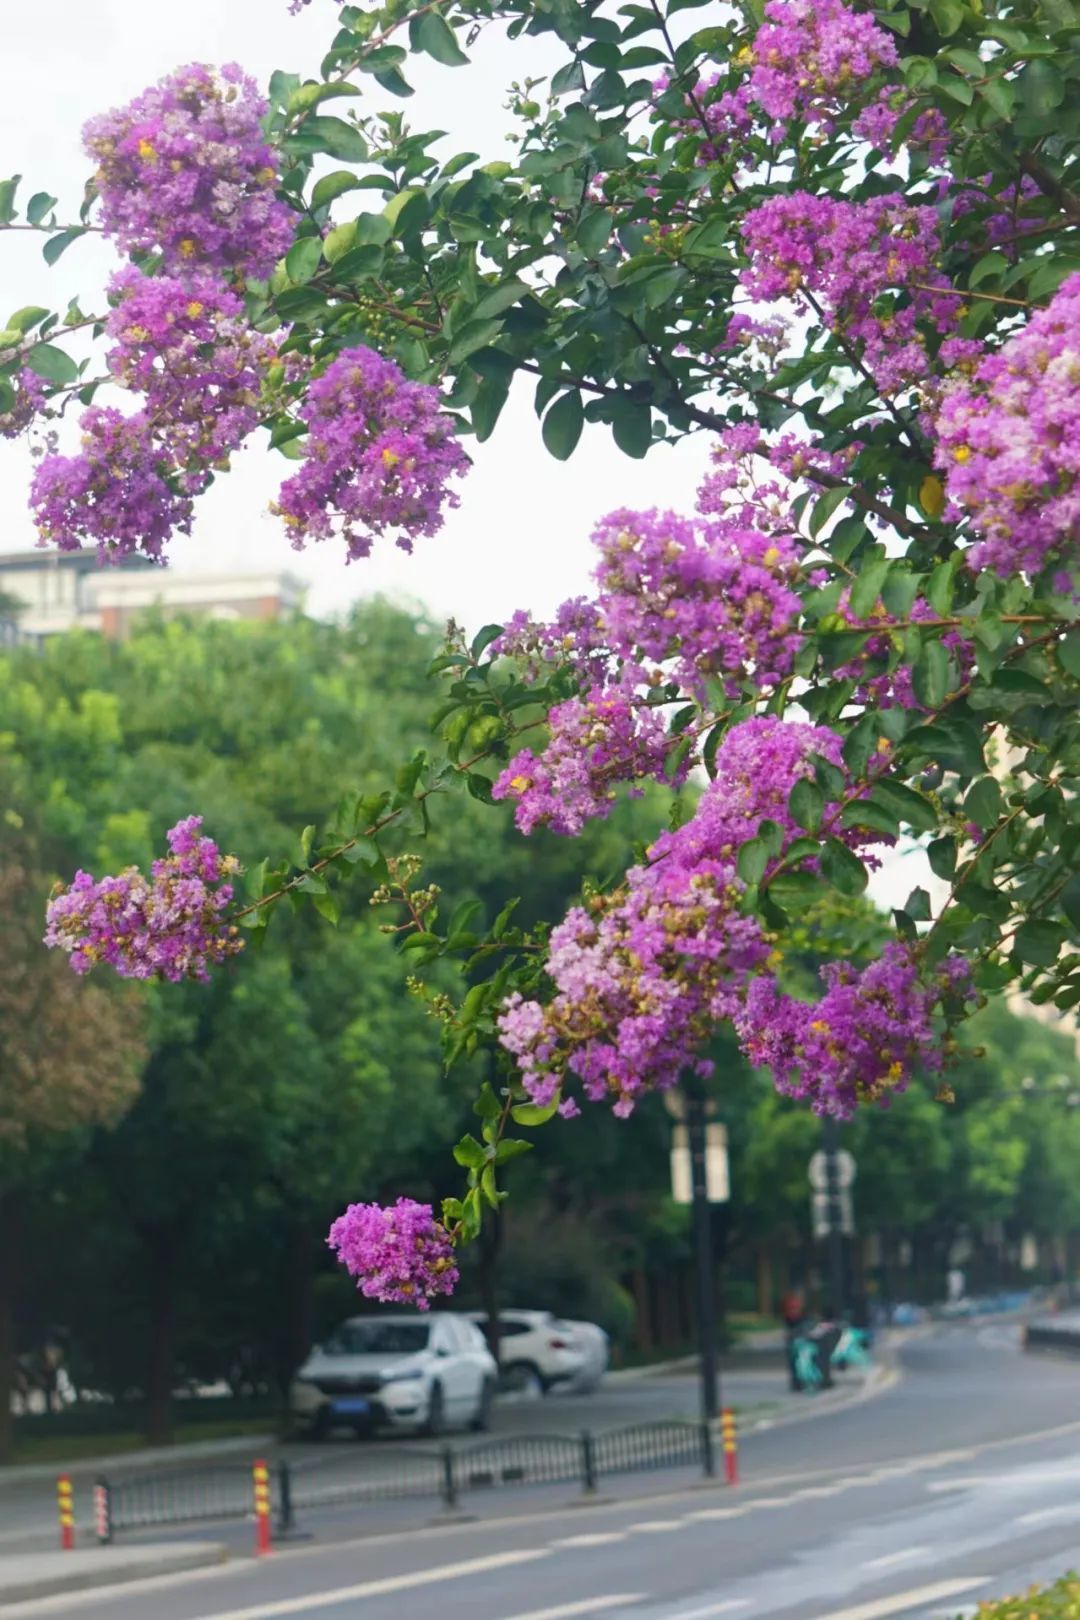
{"type": "Point", "coordinates": [731, 1449]}
{"type": "Point", "coordinates": [260, 1476]}
{"type": "Point", "coordinates": [65, 1504]}
{"type": "Point", "coordinates": [102, 1511]}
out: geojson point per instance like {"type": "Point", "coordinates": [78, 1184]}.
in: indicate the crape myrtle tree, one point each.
{"type": "Point", "coordinates": [839, 241]}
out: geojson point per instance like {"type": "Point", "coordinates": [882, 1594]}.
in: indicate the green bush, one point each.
{"type": "Point", "coordinates": [1058, 1602]}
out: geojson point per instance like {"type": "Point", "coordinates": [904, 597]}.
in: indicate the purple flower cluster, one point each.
{"type": "Point", "coordinates": [698, 597]}
{"type": "Point", "coordinates": [170, 926]}
{"type": "Point", "coordinates": [29, 402]}
{"type": "Point", "coordinates": [400, 1253]}
{"type": "Point", "coordinates": [642, 977]}
{"type": "Point", "coordinates": [866, 265]}
{"type": "Point", "coordinates": [607, 737]}
{"type": "Point", "coordinates": [1009, 444]}
{"type": "Point", "coordinates": [185, 170]}
{"type": "Point", "coordinates": [186, 346]}
{"type": "Point", "coordinates": [118, 492]}
{"type": "Point", "coordinates": [862, 1041]}
{"type": "Point", "coordinates": [379, 453]}
{"type": "Point", "coordinates": [812, 57]}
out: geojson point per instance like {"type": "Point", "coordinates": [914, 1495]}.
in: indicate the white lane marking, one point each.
{"type": "Point", "coordinates": [656, 1526]}
{"type": "Point", "coordinates": [1051, 1515]}
{"type": "Point", "coordinates": [595, 1538]}
{"type": "Point", "coordinates": [390, 1583]}
{"type": "Point", "coordinates": [587, 1606]}
{"type": "Point", "coordinates": [908, 1600]}
{"type": "Point", "coordinates": [727, 1607]}
{"type": "Point", "coordinates": [937, 1486]}
{"type": "Point", "coordinates": [770, 1502]}
{"type": "Point", "coordinates": [717, 1513]}
{"type": "Point", "coordinates": [818, 1490]}
{"type": "Point", "coordinates": [901, 1557]}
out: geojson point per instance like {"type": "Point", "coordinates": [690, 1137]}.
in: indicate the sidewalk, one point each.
{"type": "Point", "coordinates": [43, 1574]}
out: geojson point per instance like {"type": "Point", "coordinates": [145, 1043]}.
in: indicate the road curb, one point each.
{"type": "Point", "coordinates": [882, 1377]}
{"type": "Point", "coordinates": [116, 1462]}
{"type": "Point", "coordinates": [101, 1567]}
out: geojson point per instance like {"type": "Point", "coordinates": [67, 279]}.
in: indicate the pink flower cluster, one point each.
{"type": "Point", "coordinates": [170, 926]}
{"type": "Point", "coordinates": [379, 454]}
{"type": "Point", "coordinates": [811, 58]}
{"type": "Point", "coordinates": [607, 737]}
{"type": "Point", "coordinates": [642, 977]}
{"type": "Point", "coordinates": [400, 1254]}
{"type": "Point", "coordinates": [861, 1042]}
{"type": "Point", "coordinates": [696, 597]}
{"type": "Point", "coordinates": [1008, 441]}
{"type": "Point", "coordinates": [867, 266]}
{"type": "Point", "coordinates": [30, 397]}
{"type": "Point", "coordinates": [185, 171]}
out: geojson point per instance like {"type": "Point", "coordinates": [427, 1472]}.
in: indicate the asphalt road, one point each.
{"type": "Point", "coordinates": [961, 1481]}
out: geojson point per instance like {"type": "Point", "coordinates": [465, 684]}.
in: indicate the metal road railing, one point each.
{"type": "Point", "coordinates": [441, 1474]}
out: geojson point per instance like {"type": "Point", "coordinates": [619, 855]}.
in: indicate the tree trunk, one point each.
{"type": "Point", "coordinates": [160, 1349]}
{"type": "Point", "coordinates": [766, 1293]}
{"type": "Point", "coordinates": [9, 1255]}
{"type": "Point", "coordinates": [297, 1330]}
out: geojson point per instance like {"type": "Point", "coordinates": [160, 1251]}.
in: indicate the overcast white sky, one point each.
{"type": "Point", "coordinates": [520, 537]}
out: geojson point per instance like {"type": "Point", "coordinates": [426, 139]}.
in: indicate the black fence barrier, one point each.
{"type": "Point", "coordinates": [1050, 1337]}
{"type": "Point", "coordinates": [444, 1474]}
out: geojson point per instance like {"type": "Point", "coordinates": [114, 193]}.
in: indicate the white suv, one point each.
{"type": "Point", "coordinates": [422, 1373]}
{"type": "Point", "coordinates": [538, 1348]}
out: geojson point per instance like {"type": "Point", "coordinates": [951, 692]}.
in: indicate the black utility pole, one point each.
{"type": "Point", "coordinates": [830, 1141]}
{"type": "Point", "coordinates": [703, 1255]}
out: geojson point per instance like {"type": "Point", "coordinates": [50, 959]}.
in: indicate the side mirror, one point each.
{"type": "Point", "coordinates": [443, 1350]}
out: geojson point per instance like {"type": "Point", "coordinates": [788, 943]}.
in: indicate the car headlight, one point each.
{"type": "Point", "coordinates": [409, 1375]}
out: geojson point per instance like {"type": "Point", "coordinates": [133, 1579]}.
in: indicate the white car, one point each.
{"type": "Point", "coordinates": [539, 1349]}
{"type": "Point", "coordinates": [421, 1373]}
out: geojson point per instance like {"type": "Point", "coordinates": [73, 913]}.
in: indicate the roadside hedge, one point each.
{"type": "Point", "coordinates": [1058, 1602]}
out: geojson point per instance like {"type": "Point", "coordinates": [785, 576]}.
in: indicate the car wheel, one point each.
{"type": "Point", "coordinates": [482, 1417]}
{"type": "Point", "coordinates": [435, 1422]}
{"type": "Point", "coordinates": [526, 1376]}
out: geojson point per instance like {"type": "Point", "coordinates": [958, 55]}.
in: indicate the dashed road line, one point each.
{"type": "Point", "coordinates": [587, 1606]}
{"type": "Point", "coordinates": [903, 1556]}
{"type": "Point", "coordinates": [913, 1599]}
{"type": "Point", "coordinates": [594, 1538]}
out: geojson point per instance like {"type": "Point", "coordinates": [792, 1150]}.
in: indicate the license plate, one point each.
{"type": "Point", "coordinates": [352, 1408]}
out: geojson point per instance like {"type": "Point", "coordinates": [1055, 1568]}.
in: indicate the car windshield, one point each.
{"type": "Point", "coordinates": [378, 1339]}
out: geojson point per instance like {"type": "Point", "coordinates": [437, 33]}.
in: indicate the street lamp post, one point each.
{"type": "Point", "coordinates": [703, 1256]}
{"type": "Point", "coordinates": [830, 1142]}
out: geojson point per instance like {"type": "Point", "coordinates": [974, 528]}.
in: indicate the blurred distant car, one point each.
{"type": "Point", "coordinates": [539, 1348]}
{"type": "Point", "coordinates": [904, 1315]}
{"type": "Point", "coordinates": [421, 1373]}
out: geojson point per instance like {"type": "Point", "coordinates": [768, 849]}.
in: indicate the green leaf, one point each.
{"type": "Point", "coordinates": [1000, 96]}
{"type": "Point", "coordinates": [752, 860]}
{"type": "Point", "coordinates": [392, 80]}
{"type": "Point", "coordinates": [533, 1113]}
{"type": "Point", "coordinates": [304, 258]}
{"type": "Point", "coordinates": [470, 1153]}
{"type": "Point", "coordinates": [806, 803]}
{"type": "Point", "coordinates": [867, 588]}
{"type": "Point", "coordinates": [570, 77]}
{"type": "Point", "coordinates": [8, 189]}
{"type": "Point", "coordinates": [917, 906]}
{"type": "Point", "coordinates": [593, 231]}
{"type": "Point", "coordinates": [435, 36]}
{"type": "Point", "coordinates": [1039, 942]}
{"type": "Point", "coordinates": [843, 869]}
{"type": "Point", "coordinates": [1042, 87]}
{"type": "Point", "coordinates": [905, 804]}
{"type": "Point", "coordinates": [562, 425]}
{"type": "Point", "coordinates": [328, 908]}
{"type": "Point", "coordinates": [53, 364]}
{"type": "Point", "coordinates": [983, 803]}
{"type": "Point", "coordinates": [473, 335]}
{"type": "Point", "coordinates": [1070, 901]}
{"type": "Point", "coordinates": [337, 138]}
{"type": "Point", "coordinates": [631, 428]}
{"type": "Point", "coordinates": [306, 96]}
{"type": "Point", "coordinates": [930, 675]}
{"type": "Point", "coordinates": [512, 1148]}
{"type": "Point", "coordinates": [794, 890]}
{"type": "Point", "coordinates": [407, 211]}
{"type": "Point", "coordinates": [1068, 653]}
{"type": "Point", "coordinates": [333, 185]}
{"type": "Point", "coordinates": [39, 206]}
{"type": "Point", "coordinates": [942, 857]}
{"type": "Point", "coordinates": [499, 299]}
{"type": "Point", "coordinates": [337, 243]}
{"type": "Point", "coordinates": [825, 506]}
{"type": "Point", "coordinates": [487, 1105]}
{"type": "Point", "coordinates": [58, 244]}
{"type": "Point", "coordinates": [948, 15]}
{"type": "Point", "coordinates": [24, 319]}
